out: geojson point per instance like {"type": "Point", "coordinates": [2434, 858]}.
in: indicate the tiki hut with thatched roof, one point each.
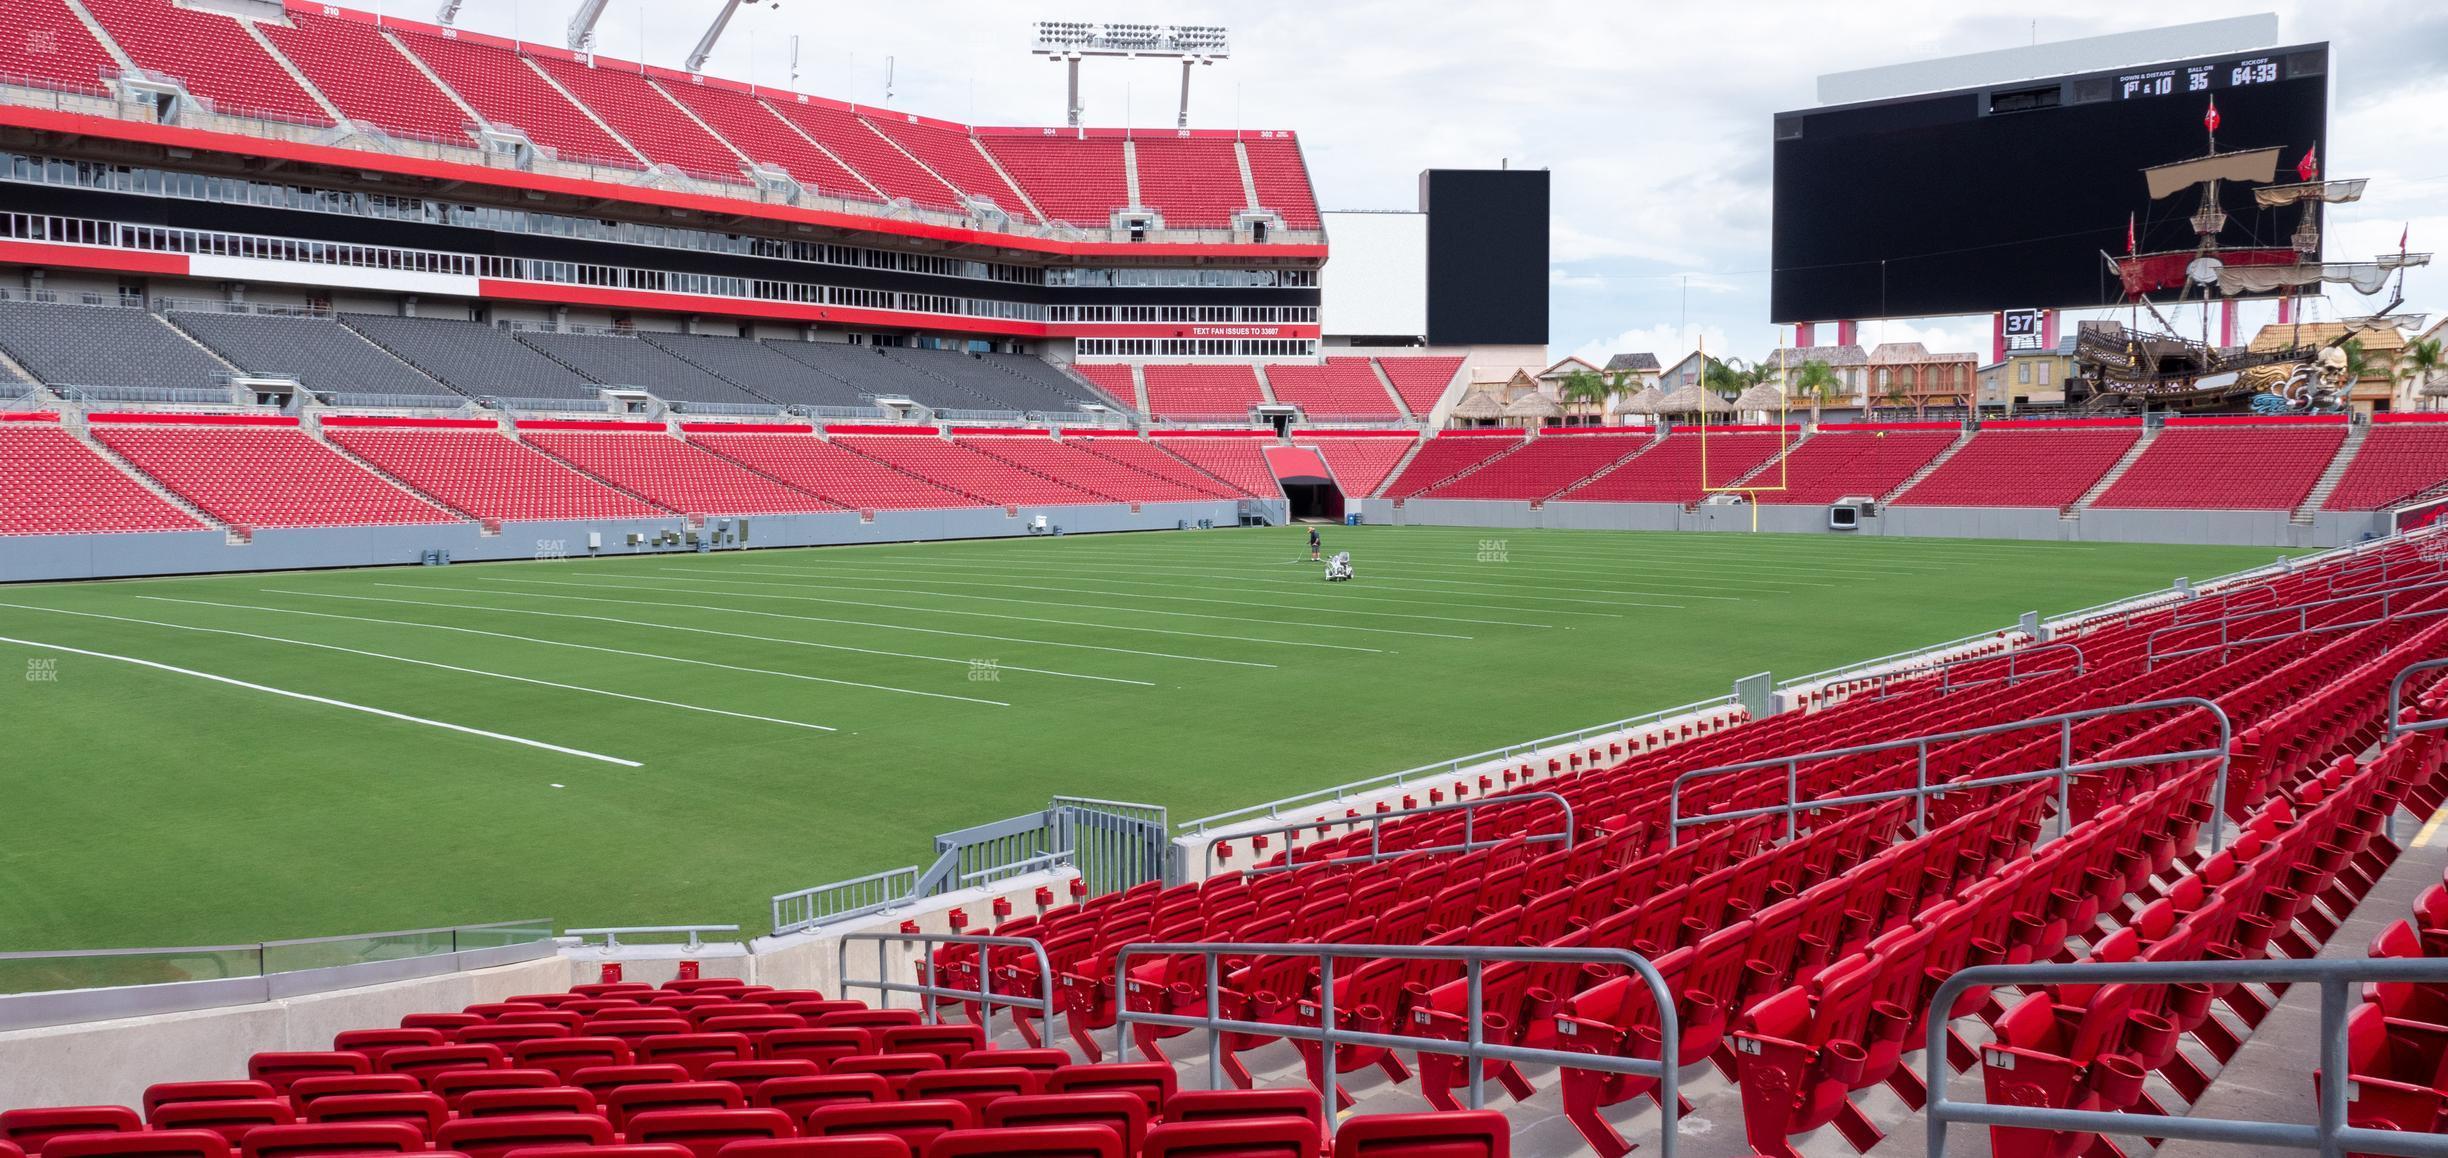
{"type": "Point", "coordinates": [1479, 407]}
{"type": "Point", "coordinates": [1644, 403]}
{"type": "Point", "coordinates": [1764, 400]}
{"type": "Point", "coordinates": [1694, 399]}
{"type": "Point", "coordinates": [1533, 409]}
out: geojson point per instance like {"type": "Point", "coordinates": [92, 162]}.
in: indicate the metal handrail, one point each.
{"type": "Point", "coordinates": [2303, 621]}
{"type": "Point", "coordinates": [1273, 809]}
{"type": "Point", "coordinates": [257, 947]}
{"type": "Point", "coordinates": [928, 991]}
{"type": "Point", "coordinates": [1947, 684]}
{"type": "Point", "coordinates": [1863, 667]}
{"type": "Point", "coordinates": [1473, 958]}
{"type": "Point", "coordinates": [2396, 710]}
{"type": "Point", "coordinates": [1375, 822]}
{"type": "Point", "coordinates": [888, 888]}
{"type": "Point", "coordinates": [2226, 602]}
{"type": "Point", "coordinates": [2064, 772]}
{"type": "Point", "coordinates": [612, 934]}
{"type": "Point", "coordinates": [2331, 1137]}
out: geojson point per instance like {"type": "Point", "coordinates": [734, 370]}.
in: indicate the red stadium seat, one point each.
{"type": "Point", "coordinates": [695, 1051]}
{"type": "Point", "coordinates": [307, 1090]}
{"type": "Point", "coordinates": [567, 1055]}
{"type": "Point", "coordinates": [534, 1100]}
{"type": "Point", "coordinates": [424, 1062]}
{"type": "Point", "coordinates": [626, 1102]}
{"type": "Point", "coordinates": [494, 1137]}
{"type": "Point", "coordinates": [230, 1119]}
{"type": "Point", "coordinates": [750, 1074]}
{"type": "Point", "coordinates": [160, 1094]}
{"type": "Point", "coordinates": [895, 1068]}
{"type": "Point", "coordinates": [28, 1129]}
{"type": "Point", "coordinates": [602, 1080]}
{"type": "Point", "coordinates": [456, 1084]}
{"type": "Point", "coordinates": [311, 1139]}
{"type": "Point", "coordinates": [1221, 1105]}
{"type": "Point", "coordinates": [948, 1042]}
{"type": "Point", "coordinates": [376, 1042]}
{"type": "Point", "coordinates": [279, 1069]}
{"type": "Point", "coordinates": [616, 1150]}
{"type": "Point", "coordinates": [1043, 1061]}
{"type": "Point", "coordinates": [822, 1046]}
{"type": "Point", "coordinates": [145, 1144]}
{"type": "Point", "coordinates": [448, 1023]}
{"type": "Point", "coordinates": [1120, 1111]}
{"type": "Point", "coordinates": [845, 1146]}
{"type": "Point", "coordinates": [798, 1096]}
{"type": "Point", "coordinates": [976, 1086]}
{"type": "Point", "coordinates": [1452, 1134]}
{"type": "Point", "coordinates": [706, 1131]}
{"type": "Point", "coordinates": [507, 1034]}
{"type": "Point", "coordinates": [1233, 1138]}
{"type": "Point", "coordinates": [425, 1111]}
{"type": "Point", "coordinates": [1028, 1142]}
{"type": "Point", "coordinates": [915, 1123]}
{"type": "Point", "coordinates": [1152, 1082]}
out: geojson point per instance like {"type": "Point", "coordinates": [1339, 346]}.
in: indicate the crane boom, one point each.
{"type": "Point", "coordinates": [713, 33]}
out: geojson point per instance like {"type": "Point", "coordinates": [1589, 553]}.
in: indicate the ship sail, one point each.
{"type": "Point", "coordinates": [2332, 192]}
{"type": "Point", "coordinates": [2255, 165]}
{"type": "Point", "coordinates": [2367, 277]}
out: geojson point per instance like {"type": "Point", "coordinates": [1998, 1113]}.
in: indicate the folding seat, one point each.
{"type": "Point", "coordinates": [448, 1023]}
{"type": "Point", "coordinates": [1121, 1111]}
{"type": "Point", "coordinates": [494, 1137]}
{"type": "Point", "coordinates": [561, 1016]}
{"type": "Point", "coordinates": [894, 1068]}
{"type": "Point", "coordinates": [29, 1129]}
{"type": "Point", "coordinates": [634, 1013]}
{"type": "Point", "coordinates": [601, 1080]}
{"type": "Point", "coordinates": [702, 984]}
{"type": "Point", "coordinates": [374, 1043]}
{"type": "Point", "coordinates": [1446, 1134]}
{"type": "Point", "coordinates": [872, 1019]}
{"type": "Point", "coordinates": [694, 1051]}
{"type": "Point", "coordinates": [1290, 1137]}
{"type": "Point", "coordinates": [846, 1146]}
{"type": "Point", "coordinates": [1042, 1061]}
{"type": "Point", "coordinates": [309, 1139]}
{"type": "Point", "coordinates": [625, 1102]}
{"type": "Point", "coordinates": [425, 1061]}
{"type": "Point", "coordinates": [1221, 1105]}
{"type": "Point", "coordinates": [915, 1123]}
{"type": "Point", "coordinates": [590, 1007]}
{"type": "Point", "coordinates": [1152, 1082]}
{"type": "Point", "coordinates": [948, 1042]}
{"type": "Point", "coordinates": [230, 1119]}
{"type": "Point", "coordinates": [781, 997]}
{"type": "Point", "coordinates": [636, 1031]}
{"type": "Point", "coordinates": [609, 988]}
{"type": "Point", "coordinates": [425, 1111]}
{"type": "Point", "coordinates": [490, 1010]}
{"type": "Point", "coordinates": [821, 1046]}
{"type": "Point", "coordinates": [1028, 1142]}
{"type": "Point", "coordinates": [567, 1055]}
{"type": "Point", "coordinates": [509, 1033]}
{"type": "Point", "coordinates": [531, 1100]}
{"type": "Point", "coordinates": [706, 1131]}
{"type": "Point", "coordinates": [750, 1073]}
{"type": "Point", "coordinates": [752, 1024]}
{"type": "Point", "coordinates": [813, 1008]}
{"type": "Point", "coordinates": [143, 1144]}
{"type": "Point", "coordinates": [615, 1150]}
{"type": "Point", "coordinates": [975, 1086]}
{"type": "Point", "coordinates": [454, 1085]}
{"type": "Point", "coordinates": [160, 1094]}
{"type": "Point", "coordinates": [798, 1096]}
{"type": "Point", "coordinates": [547, 1000]}
{"type": "Point", "coordinates": [280, 1068]}
{"type": "Point", "coordinates": [306, 1090]}
{"type": "Point", "coordinates": [2075, 1051]}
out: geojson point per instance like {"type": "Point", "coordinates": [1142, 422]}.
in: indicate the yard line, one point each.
{"type": "Point", "coordinates": [1530, 561]}
{"type": "Point", "coordinates": [326, 701]}
{"type": "Point", "coordinates": [788, 675]}
{"type": "Point", "coordinates": [426, 663]}
{"type": "Point", "coordinates": [1504, 590]}
{"type": "Point", "coordinates": [848, 622]}
{"type": "Point", "coordinates": [701, 577]}
{"type": "Point", "coordinates": [1363, 597]}
{"type": "Point", "coordinates": [693, 630]}
{"type": "Point", "coordinates": [977, 614]}
{"type": "Point", "coordinates": [854, 573]}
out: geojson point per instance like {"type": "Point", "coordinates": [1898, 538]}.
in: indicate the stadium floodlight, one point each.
{"type": "Point", "coordinates": [582, 24]}
{"type": "Point", "coordinates": [448, 12]}
{"type": "Point", "coordinates": [1071, 41]}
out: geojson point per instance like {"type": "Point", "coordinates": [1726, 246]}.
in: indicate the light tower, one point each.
{"type": "Point", "coordinates": [1071, 41]}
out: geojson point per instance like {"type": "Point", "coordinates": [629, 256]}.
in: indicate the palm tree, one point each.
{"type": "Point", "coordinates": [1897, 395]}
{"type": "Point", "coordinates": [1728, 378]}
{"type": "Point", "coordinates": [2422, 361]}
{"type": "Point", "coordinates": [1817, 381]}
{"type": "Point", "coordinates": [1583, 388]}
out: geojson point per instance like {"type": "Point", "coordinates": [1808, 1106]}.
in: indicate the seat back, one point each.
{"type": "Point", "coordinates": [1121, 1111]}
{"type": "Point", "coordinates": [306, 1139]}
{"type": "Point", "coordinates": [846, 1146]}
{"type": "Point", "coordinates": [456, 1084]}
{"type": "Point", "coordinates": [602, 1080]}
{"type": "Point", "coordinates": [948, 1042]}
{"type": "Point", "coordinates": [705, 1131]}
{"type": "Point", "coordinates": [425, 1061]}
{"type": "Point", "coordinates": [1027, 1142]}
{"type": "Point", "coordinates": [915, 1123]}
{"type": "Point", "coordinates": [799, 1096]}
{"type": "Point", "coordinates": [750, 1073]}
{"type": "Point", "coordinates": [976, 1085]}
{"type": "Point", "coordinates": [279, 1068]}
{"type": "Point", "coordinates": [29, 1129]}
{"type": "Point", "coordinates": [565, 1055]}
{"type": "Point", "coordinates": [694, 1051]}
{"type": "Point", "coordinates": [1233, 1138]}
{"type": "Point", "coordinates": [147, 1144]}
{"type": "Point", "coordinates": [1153, 1082]}
{"type": "Point", "coordinates": [532, 1100]}
{"type": "Point", "coordinates": [1222, 1105]}
{"type": "Point", "coordinates": [817, 1045]}
{"type": "Point", "coordinates": [626, 1102]}
{"type": "Point", "coordinates": [160, 1094]}
{"type": "Point", "coordinates": [493, 1137]}
{"type": "Point", "coordinates": [1449, 1134]}
{"type": "Point", "coordinates": [306, 1090]}
{"type": "Point", "coordinates": [425, 1111]}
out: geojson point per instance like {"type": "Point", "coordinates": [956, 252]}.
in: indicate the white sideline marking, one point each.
{"type": "Point", "coordinates": [328, 702]}
{"type": "Point", "coordinates": [631, 587]}
{"type": "Point", "coordinates": [853, 573]}
{"type": "Point", "coordinates": [424, 663]}
{"type": "Point", "coordinates": [701, 631]}
{"type": "Point", "coordinates": [1509, 591]}
{"type": "Point", "coordinates": [702, 577]}
{"type": "Point", "coordinates": [850, 622]}
{"type": "Point", "coordinates": [788, 675]}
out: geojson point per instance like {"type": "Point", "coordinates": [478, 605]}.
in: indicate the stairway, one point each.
{"type": "Point", "coordinates": [1400, 407]}
{"type": "Point", "coordinates": [1764, 467]}
{"type": "Point", "coordinates": [1656, 437]}
{"type": "Point", "coordinates": [313, 428]}
{"type": "Point", "coordinates": [2330, 477]}
{"type": "Point", "coordinates": [1929, 468]}
{"type": "Point", "coordinates": [2132, 453]}
{"type": "Point", "coordinates": [74, 424]}
{"type": "Point", "coordinates": [1400, 465]}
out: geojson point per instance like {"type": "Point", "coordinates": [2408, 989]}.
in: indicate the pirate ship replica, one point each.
{"type": "Point", "coordinates": [2305, 373]}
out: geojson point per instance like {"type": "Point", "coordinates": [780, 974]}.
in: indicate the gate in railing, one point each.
{"type": "Point", "coordinates": [1113, 844]}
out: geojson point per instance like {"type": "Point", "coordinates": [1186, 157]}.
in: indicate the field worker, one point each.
{"type": "Point", "coordinates": [1315, 545]}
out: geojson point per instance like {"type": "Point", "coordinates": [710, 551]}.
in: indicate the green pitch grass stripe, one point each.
{"type": "Point", "coordinates": [850, 622]}
{"type": "Point", "coordinates": [631, 587]}
{"type": "Point", "coordinates": [325, 700]}
{"type": "Point", "coordinates": [1510, 591]}
{"type": "Point", "coordinates": [695, 630]}
{"type": "Point", "coordinates": [788, 675]}
{"type": "Point", "coordinates": [427, 663]}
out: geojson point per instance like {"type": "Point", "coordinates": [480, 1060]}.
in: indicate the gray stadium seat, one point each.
{"type": "Point", "coordinates": [474, 359]}
{"type": "Point", "coordinates": [616, 360]}
{"type": "Point", "coordinates": [757, 368]}
{"type": "Point", "coordinates": [323, 355]}
{"type": "Point", "coordinates": [111, 351]}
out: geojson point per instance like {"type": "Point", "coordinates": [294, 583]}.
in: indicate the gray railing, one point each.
{"type": "Point", "coordinates": [1375, 822]}
{"type": "Point", "coordinates": [2006, 636]}
{"type": "Point", "coordinates": [930, 994]}
{"type": "Point", "coordinates": [2330, 1136]}
{"type": "Point", "coordinates": [2226, 603]}
{"type": "Point", "coordinates": [1115, 845]}
{"type": "Point", "coordinates": [2063, 772]}
{"type": "Point", "coordinates": [1476, 1051]}
{"type": "Point", "coordinates": [1273, 809]}
{"type": "Point", "coordinates": [2012, 659]}
{"type": "Point", "coordinates": [613, 933]}
{"type": "Point", "coordinates": [2303, 622]}
{"type": "Point", "coordinates": [44, 970]}
{"type": "Point", "coordinates": [2396, 701]}
{"type": "Point", "coordinates": [844, 900]}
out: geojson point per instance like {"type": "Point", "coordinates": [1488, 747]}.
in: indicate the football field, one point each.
{"type": "Point", "coordinates": [673, 739]}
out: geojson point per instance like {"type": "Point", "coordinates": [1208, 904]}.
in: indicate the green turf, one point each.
{"type": "Point", "coordinates": [151, 808]}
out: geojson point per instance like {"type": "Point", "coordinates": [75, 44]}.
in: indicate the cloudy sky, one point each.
{"type": "Point", "coordinates": [1653, 116]}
